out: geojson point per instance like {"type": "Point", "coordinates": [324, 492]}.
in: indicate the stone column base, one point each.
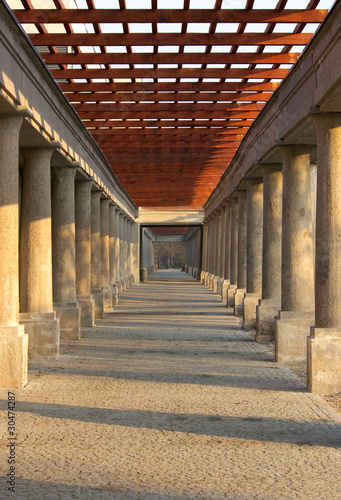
{"type": "Point", "coordinates": [238, 301]}
{"type": "Point", "coordinates": [131, 280]}
{"type": "Point", "coordinates": [13, 357]}
{"type": "Point", "coordinates": [292, 330]}
{"type": "Point", "coordinates": [215, 283]}
{"type": "Point", "coordinates": [43, 330]}
{"type": "Point", "coordinates": [190, 270]}
{"type": "Point", "coordinates": [97, 297]}
{"type": "Point", "coordinates": [267, 312]}
{"type": "Point", "coordinates": [202, 276]}
{"type": "Point", "coordinates": [250, 304]}
{"type": "Point", "coordinates": [220, 286]}
{"type": "Point", "coordinates": [207, 279]}
{"type": "Point", "coordinates": [107, 299]}
{"type": "Point", "coordinates": [230, 295]}
{"type": "Point", "coordinates": [324, 360]}
{"type": "Point", "coordinates": [115, 295]}
{"type": "Point", "coordinates": [119, 287]}
{"type": "Point", "coordinates": [87, 306]}
{"type": "Point", "coordinates": [124, 284]}
{"type": "Point", "coordinates": [70, 318]}
{"type": "Point", "coordinates": [225, 287]}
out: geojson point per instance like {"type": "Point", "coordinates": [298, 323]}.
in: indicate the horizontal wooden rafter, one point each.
{"type": "Point", "coordinates": [169, 86]}
{"type": "Point", "coordinates": [45, 16]}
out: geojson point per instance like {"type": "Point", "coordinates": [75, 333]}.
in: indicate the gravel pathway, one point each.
{"type": "Point", "coordinates": [168, 399]}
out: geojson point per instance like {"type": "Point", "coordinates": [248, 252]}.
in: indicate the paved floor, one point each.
{"type": "Point", "coordinates": [170, 275]}
{"type": "Point", "coordinates": [167, 399]}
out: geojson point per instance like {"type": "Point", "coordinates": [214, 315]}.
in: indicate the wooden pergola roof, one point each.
{"type": "Point", "coordinates": [168, 94]}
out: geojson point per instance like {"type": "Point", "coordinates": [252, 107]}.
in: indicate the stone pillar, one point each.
{"type": "Point", "coordinates": [297, 309]}
{"type": "Point", "coordinates": [270, 303]}
{"type": "Point", "coordinates": [64, 252]}
{"type": "Point", "coordinates": [13, 340]}
{"type": "Point", "coordinates": [113, 257]}
{"type": "Point", "coordinates": [135, 230]}
{"type": "Point", "coordinates": [254, 253]}
{"type": "Point", "coordinates": [324, 343]}
{"type": "Point", "coordinates": [117, 251]}
{"type": "Point", "coordinates": [96, 277]}
{"type": "Point", "coordinates": [209, 250]}
{"type": "Point", "coordinates": [105, 282]}
{"type": "Point", "coordinates": [221, 254]}
{"type": "Point", "coordinates": [204, 253]}
{"type": "Point", "coordinates": [122, 251]}
{"type": "Point", "coordinates": [227, 254]}
{"type": "Point", "coordinates": [233, 253]}
{"type": "Point", "coordinates": [217, 249]}
{"type": "Point", "coordinates": [242, 242]}
{"type": "Point", "coordinates": [36, 299]}
{"type": "Point", "coordinates": [83, 252]}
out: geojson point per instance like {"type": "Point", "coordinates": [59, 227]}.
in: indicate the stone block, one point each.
{"type": "Point", "coordinates": [266, 314]}
{"type": "Point", "coordinates": [43, 330]}
{"type": "Point", "coordinates": [115, 295]}
{"type": "Point", "coordinates": [69, 315]}
{"type": "Point", "coordinates": [250, 304]}
{"type": "Point", "coordinates": [87, 306]}
{"type": "Point", "coordinates": [230, 295]}
{"type": "Point", "coordinates": [225, 287]}
{"type": "Point", "coordinates": [107, 299]}
{"type": "Point", "coordinates": [220, 286]}
{"type": "Point", "coordinates": [13, 357]}
{"type": "Point", "coordinates": [324, 360]}
{"type": "Point", "coordinates": [238, 301]}
{"type": "Point", "coordinates": [292, 330]}
{"type": "Point", "coordinates": [119, 287]}
{"type": "Point", "coordinates": [97, 297]}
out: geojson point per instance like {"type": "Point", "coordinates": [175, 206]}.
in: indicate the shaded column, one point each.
{"type": "Point", "coordinates": [242, 255]}
{"type": "Point", "coordinates": [36, 299]}
{"type": "Point", "coordinates": [297, 295]}
{"type": "Point", "coordinates": [13, 340]}
{"type": "Point", "coordinates": [217, 249]}
{"type": "Point", "coordinates": [227, 253]}
{"type": "Point", "coordinates": [83, 252]}
{"type": "Point", "coordinates": [117, 251]}
{"type": "Point", "coordinates": [64, 252]}
{"type": "Point", "coordinates": [105, 266]}
{"type": "Point", "coordinates": [204, 253]}
{"type": "Point", "coordinates": [221, 255]}
{"type": "Point", "coordinates": [96, 288]}
{"type": "Point", "coordinates": [233, 253]}
{"type": "Point", "coordinates": [254, 252]}
{"type": "Point", "coordinates": [324, 343]}
{"type": "Point", "coordinates": [270, 303]}
{"type": "Point", "coordinates": [113, 257]}
{"type": "Point", "coordinates": [122, 251]}
{"type": "Point", "coordinates": [135, 231]}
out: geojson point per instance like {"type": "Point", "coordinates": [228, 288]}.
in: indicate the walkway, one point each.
{"type": "Point", "coordinates": [167, 399]}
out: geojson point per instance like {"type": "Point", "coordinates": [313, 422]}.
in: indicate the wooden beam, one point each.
{"type": "Point", "coordinates": [173, 107]}
{"type": "Point", "coordinates": [168, 96]}
{"type": "Point", "coordinates": [147, 39]}
{"type": "Point", "coordinates": [244, 115]}
{"type": "Point", "coordinates": [46, 16]}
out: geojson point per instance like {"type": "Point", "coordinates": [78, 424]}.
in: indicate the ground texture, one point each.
{"type": "Point", "coordinates": [168, 399]}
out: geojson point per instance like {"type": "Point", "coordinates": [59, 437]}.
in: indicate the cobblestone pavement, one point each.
{"type": "Point", "coordinates": [167, 399]}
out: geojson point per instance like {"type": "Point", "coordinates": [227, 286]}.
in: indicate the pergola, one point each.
{"type": "Point", "coordinates": [169, 94]}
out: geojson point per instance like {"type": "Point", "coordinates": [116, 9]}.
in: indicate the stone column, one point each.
{"type": "Point", "coordinates": [83, 252]}
{"type": "Point", "coordinates": [270, 303]}
{"type": "Point", "coordinates": [204, 253]}
{"type": "Point", "coordinates": [222, 249]}
{"type": "Point", "coordinates": [105, 267]}
{"type": "Point", "coordinates": [324, 343]}
{"type": "Point", "coordinates": [217, 249]}
{"type": "Point", "coordinates": [13, 340]}
{"type": "Point", "coordinates": [297, 309]}
{"type": "Point", "coordinates": [122, 251]}
{"type": "Point", "coordinates": [242, 242]}
{"type": "Point", "coordinates": [227, 255]}
{"type": "Point", "coordinates": [36, 299]}
{"type": "Point", "coordinates": [213, 251]}
{"type": "Point", "coordinates": [135, 231]}
{"type": "Point", "coordinates": [254, 253]}
{"type": "Point", "coordinates": [117, 251]}
{"type": "Point", "coordinates": [96, 285]}
{"type": "Point", "coordinates": [209, 250]}
{"type": "Point", "coordinates": [233, 253]}
{"type": "Point", "coordinates": [113, 257]}
{"type": "Point", "coordinates": [64, 252]}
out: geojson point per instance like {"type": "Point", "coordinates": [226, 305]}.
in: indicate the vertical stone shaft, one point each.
{"type": "Point", "coordinates": [83, 251]}
{"type": "Point", "coordinates": [35, 233]}
{"type": "Point", "coordinates": [234, 243]}
{"type": "Point", "coordinates": [9, 220]}
{"type": "Point", "coordinates": [112, 244]}
{"type": "Point", "coordinates": [297, 244]}
{"type": "Point", "coordinates": [95, 240]}
{"type": "Point", "coordinates": [13, 340]}
{"type": "Point", "coordinates": [254, 237]}
{"type": "Point", "coordinates": [227, 265]}
{"type": "Point", "coordinates": [272, 233]}
{"type": "Point", "coordinates": [242, 239]}
{"type": "Point", "coordinates": [117, 245]}
{"type": "Point", "coordinates": [104, 207]}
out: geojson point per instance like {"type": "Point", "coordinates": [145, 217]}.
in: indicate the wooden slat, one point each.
{"type": "Point", "coordinates": [169, 114]}
{"type": "Point", "coordinates": [141, 39]}
{"type": "Point", "coordinates": [170, 58]}
{"type": "Point", "coordinates": [45, 16]}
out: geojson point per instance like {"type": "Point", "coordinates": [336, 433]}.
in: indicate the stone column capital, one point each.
{"type": "Point", "coordinates": [291, 150]}
{"type": "Point", "coordinates": [327, 120]}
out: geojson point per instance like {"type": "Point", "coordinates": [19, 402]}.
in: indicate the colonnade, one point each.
{"type": "Point", "coordinates": [193, 251]}
{"type": "Point", "coordinates": [67, 252]}
{"type": "Point", "coordinates": [281, 275]}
